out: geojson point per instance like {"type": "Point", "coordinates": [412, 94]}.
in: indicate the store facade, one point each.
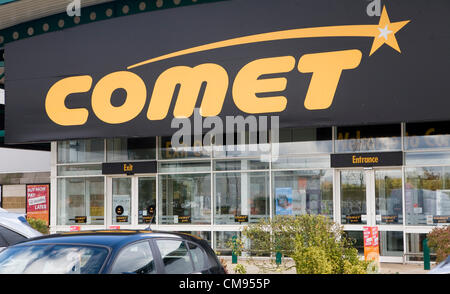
{"type": "Point", "coordinates": [361, 132]}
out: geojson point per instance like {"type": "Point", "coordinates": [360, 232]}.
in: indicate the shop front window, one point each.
{"type": "Point", "coordinates": [388, 196]}
{"type": "Point", "coordinates": [123, 149]}
{"type": "Point", "coordinates": [193, 149]}
{"type": "Point", "coordinates": [427, 195]}
{"type": "Point", "coordinates": [305, 140]}
{"type": "Point", "coordinates": [185, 199]}
{"type": "Point", "coordinates": [303, 192]}
{"type": "Point", "coordinates": [223, 241]}
{"type": "Point", "coordinates": [241, 198]}
{"type": "Point", "coordinates": [80, 151]}
{"type": "Point", "coordinates": [432, 135]}
{"type": "Point", "coordinates": [147, 200]}
{"type": "Point", "coordinates": [353, 197]}
{"type": "Point", "coordinates": [81, 201]}
{"type": "Point", "coordinates": [368, 138]}
{"type": "Point", "coordinates": [391, 243]}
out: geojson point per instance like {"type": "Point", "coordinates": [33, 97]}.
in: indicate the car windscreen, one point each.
{"type": "Point", "coordinates": [52, 259]}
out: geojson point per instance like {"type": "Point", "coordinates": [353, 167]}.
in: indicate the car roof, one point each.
{"type": "Point", "coordinates": [17, 222]}
{"type": "Point", "coordinates": [109, 238]}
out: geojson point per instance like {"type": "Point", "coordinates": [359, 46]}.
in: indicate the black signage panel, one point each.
{"type": "Point", "coordinates": [116, 77]}
{"type": "Point", "coordinates": [369, 159]}
{"type": "Point", "coordinates": [129, 168]}
{"type": "Point", "coordinates": [81, 219]}
{"type": "Point", "coordinates": [185, 219]}
{"type": "Point", "coordinates": [441, 219]}
{"type": "Point", "coordinates": [241, 218]}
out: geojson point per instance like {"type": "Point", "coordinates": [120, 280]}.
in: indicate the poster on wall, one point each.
{"type": "Point", "coordinates": [283, 204]}
{"type": "Point", "coordinates": [38, 197]}
{"type": "Point", "coordinates": [371, 244]}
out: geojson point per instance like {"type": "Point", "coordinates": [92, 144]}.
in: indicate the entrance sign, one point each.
{"type": "Point", "coordinates": [38, 197]}
{"type": "Point", "coordinates": [367, 159]}
{"type": "Point", "coordinates": [312, 67]}
{"type": "Point", "coordinates": [371, 244]}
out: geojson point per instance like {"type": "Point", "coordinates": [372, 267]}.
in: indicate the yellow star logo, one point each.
{"type": "Point", "coordinates": [386, 32]}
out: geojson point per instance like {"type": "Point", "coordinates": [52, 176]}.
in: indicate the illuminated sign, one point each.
{"type": "Point", "coordinates": [367, 159]}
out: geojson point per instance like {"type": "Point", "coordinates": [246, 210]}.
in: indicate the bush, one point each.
{"type": "Point", "coordinates": [240, 269]}
{"type": "Point", "coordinates": [39, 225]}
{"type": "Point", "coordinates": [316, 244]}
{"type": "Point", "coordinates": [439, 241]}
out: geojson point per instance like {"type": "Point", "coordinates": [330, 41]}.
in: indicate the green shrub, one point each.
{"type": "Point", "coordinates": [439, 241]}
{"type": "Point", "coordinates": [240, 269]}
{"type": "Point", "coordinates": [39, 225]}
{"type": "Point", "coordinates": [316, 244]}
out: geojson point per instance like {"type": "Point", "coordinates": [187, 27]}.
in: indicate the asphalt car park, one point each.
{"type": "Point", "coordinates": [111, 252]}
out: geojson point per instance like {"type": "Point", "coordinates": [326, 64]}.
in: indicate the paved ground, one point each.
{"type": "Point", "coordinates": [385, 268]}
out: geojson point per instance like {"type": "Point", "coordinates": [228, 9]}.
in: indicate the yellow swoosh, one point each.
{"type": "Point", "coordinates": [317, 32]}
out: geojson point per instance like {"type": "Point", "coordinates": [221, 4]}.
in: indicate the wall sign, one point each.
{"type": "Point", "coordinates": [38, 201]}
{"type": "Point", "coordinates": [129, 168]}
{"type": "Point", "coordinates": [81, 219]}
{"type": "Point", "coordinates": [329, 64]}
{"type": "Point", "coordinates": [241, 218]}
{"type": "Point", "coordinates": [186, 219]}
{"type": "Point", "coordinates": [367, 159]}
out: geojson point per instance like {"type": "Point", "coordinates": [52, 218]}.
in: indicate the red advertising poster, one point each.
{"type": "Point", "coordinates": [371, 244]}
{"type": "Point", "coordinates": [38, 202]}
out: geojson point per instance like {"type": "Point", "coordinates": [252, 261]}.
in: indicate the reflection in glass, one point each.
{"type": "Point", "coordinates": [121, 201]}
{"type": "Point", "coordinates": [414, 247]}
{"type": "Point", "coordinates": [302, 192]}
{"type": "Point", "coordinates": [427, 135]}
{"type": "Point", "coordinates": [81, 201]}
{"type": "Point", "coordinates": [147, 200]}
{"type": "Point", "coordinates": [123, 149]}
{"type": "Point", "coordinates": [74, 151]}
{"type": "Point", "coordinates": [185, 198]}
{"type": "Point", "coordinates": [388, 196]}
{"type": "Point", "coordinates": [241, 194]}
{"type": "Point", "coordinates": [353, 197]}
{"type": "Point", "coordinates": [222, 240]}
{"type": "Point", "coordinates": [305, 140]}
{"type": "Point", "coordinates": [368, 138]}
{"type": "Point", "coordinates": [427, 195]}
{"type": "Point", "coordinates": [357, 239]}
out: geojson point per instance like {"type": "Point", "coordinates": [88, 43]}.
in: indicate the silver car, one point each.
{"type": "Point", "coordinates": [14, 228]}
{"type": "Point", "coordinates": [442, 268]}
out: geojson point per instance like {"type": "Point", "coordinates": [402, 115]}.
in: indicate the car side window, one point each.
{"type": "Point", "coordinates": [11, 237]}
{"type": "Point", "coordinates": [198, 256]}
{"type": "Point", "coordinates": [136, 258]}
{"type": "Point", "coordinates": [175, 256]}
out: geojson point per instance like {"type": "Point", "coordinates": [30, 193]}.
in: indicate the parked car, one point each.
{"type": "Point", "coordinates": [442, 268]}
{"type": "Point", "coordinates": [14, 228]}
{"type": "Point", "coordinates": [111, 252]}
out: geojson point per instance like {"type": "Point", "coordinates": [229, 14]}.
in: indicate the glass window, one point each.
{"type": "Point", "coordinates": [222, 240]}
{"type": "Point", "coordinates": [414, 247]}
{"type": "Point", "coordinates": [302, 192]}
{"type": "Point", "coordinates": [185, 198]}
{"type": "Point", "coordinates": [353, 197]}
{"type": "Point", "coordinates": [136, 259]}
{"type": "Point", "coordinates": [427, 135]}
{"type": "Point", "coordinates": [241, 197]}
{"type": "Point", "coordinates": [123, 149]}
{"type": "Point", "coordinates": [294, 162]}
{"type": "Point", "coordinates": [121, 201]}
{"type": "Point", "coordinates": [245, 144]}
{"type": "Point", "coordinates": [175, 257]}
{"type": "Point", "coordinates": [147, 200]}
{"type": "Point", "coordinates": [391, 243]}
{"type": "Point", "coordinates": [368, 138]}
{"type": "Point", "coordinates": [186, 166]}
{"type": "Point", "coordinates": [427, 195]}
{"type": "Point", "coordinates": [305, 140]}
{"type": "Point", "coordinates": [80, 170]}
{"type": "Point", "coordinates": [194, 150]}
{"type": "Point", "coordinates": [75, 151]}
{"type": "Point", "coordinates": [427, 158]}
{"type": "Point", "coordinates": [81, 201]}
{"type": "Point", "coordinates": [357, 238]}
{"type": "Point", "coordinates": [10, 237]}
{"type": "Point", "coordinates": [388, 196]}
{"type": "Point", "coordinates": [52, 259]}
{"type": "Point", "coordinates": [243, 164]}
{"type": "Point", "coordinates": [198, 256]}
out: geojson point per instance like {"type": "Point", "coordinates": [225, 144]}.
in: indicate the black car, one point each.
{"type": "Point", "coordinates": [111, 252]}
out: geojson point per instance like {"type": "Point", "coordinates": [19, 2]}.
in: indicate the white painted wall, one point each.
{"type": "Point", "coordinates": [19, 160]}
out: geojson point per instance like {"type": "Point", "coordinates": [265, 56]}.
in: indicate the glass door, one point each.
{"type": "Point", "coordinates": [353, 196]}
{"type": "Point", "coordinates": [132, 201]}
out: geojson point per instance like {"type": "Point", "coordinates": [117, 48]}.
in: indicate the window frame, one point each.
{"type": "Point", "coordinates": [154, 252]}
